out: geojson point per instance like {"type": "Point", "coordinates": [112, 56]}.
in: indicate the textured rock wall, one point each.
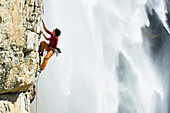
{"type": "Point", "coordinates": [19, 36]}
{"type": "Point", "coordinates": [15, 103]}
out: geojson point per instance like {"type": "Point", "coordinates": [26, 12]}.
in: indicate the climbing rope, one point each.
{"type": "Point", "coordinates": [37, 91]}
{"type": "Point", "coordinates": [38, 75]}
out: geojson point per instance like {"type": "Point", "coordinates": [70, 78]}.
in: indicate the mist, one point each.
{"type": "Point", "coordinates": [103, 67]}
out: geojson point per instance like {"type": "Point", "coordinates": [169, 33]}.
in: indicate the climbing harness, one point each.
{"type": "Point", "coordinates": [57, 50]}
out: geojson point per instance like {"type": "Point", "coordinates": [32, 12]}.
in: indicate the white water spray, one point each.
{"type": "Point", "coordinates": [103, 67]}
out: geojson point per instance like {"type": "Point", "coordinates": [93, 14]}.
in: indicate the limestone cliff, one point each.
{"type": "Point", "coordinates": [19, 36]}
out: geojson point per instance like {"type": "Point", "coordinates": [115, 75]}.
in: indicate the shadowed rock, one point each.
{"type": "Point", "coordinates": [155, 34]}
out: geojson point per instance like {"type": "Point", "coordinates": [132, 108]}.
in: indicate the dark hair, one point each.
{"type": "Point", "coordinates": [57, 32]}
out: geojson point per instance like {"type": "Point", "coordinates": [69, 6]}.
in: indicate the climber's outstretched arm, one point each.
{"type": "Point", "coordinates": [44, 25]}
{"type": "Point", "coordinates": [44, 35]}
{"type": "Point", "coordinates": [49, 32]}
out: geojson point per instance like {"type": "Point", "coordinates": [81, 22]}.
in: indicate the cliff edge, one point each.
{"type": "Point", "coordinates": [19, 37]}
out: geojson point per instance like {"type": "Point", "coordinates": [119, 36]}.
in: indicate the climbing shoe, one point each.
{"type": "Point", "coordinates": [40, 70]}
{"type": "Point", "coordinates": [41, 53]}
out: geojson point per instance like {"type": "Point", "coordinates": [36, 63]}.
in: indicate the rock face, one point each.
{"type": "Point", "coordinates": [155, 33]}
{"type": "Point", "coordinates": [19, 36]}
{"type": "Point", "coordinates": [158, 39]}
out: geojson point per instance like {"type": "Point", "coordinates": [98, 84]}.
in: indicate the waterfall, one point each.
{"type": "Point", "coordinates": [103, 67]}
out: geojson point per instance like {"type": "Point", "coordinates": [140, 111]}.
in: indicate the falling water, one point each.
{"type": "Point", "coordinates": [103, 67]}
